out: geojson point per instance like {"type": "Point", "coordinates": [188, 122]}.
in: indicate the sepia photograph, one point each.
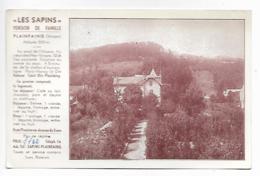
{"type": "Point", "coordinates": [148, 88]}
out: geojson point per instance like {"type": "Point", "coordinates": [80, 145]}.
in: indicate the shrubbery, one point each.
{"type": "Point", "coordinates": [180, 136]}
{"type": "Point", "coordinates": [95, 108]}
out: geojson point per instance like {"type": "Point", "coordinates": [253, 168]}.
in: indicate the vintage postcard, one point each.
{"type": "Point", "coordinates": [128, 89]}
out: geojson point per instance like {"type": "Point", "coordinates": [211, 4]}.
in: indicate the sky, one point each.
{"type": "Point", "coordinates": [208, 38]}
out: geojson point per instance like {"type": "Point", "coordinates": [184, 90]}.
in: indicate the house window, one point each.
{"type": "Point", "coordinates": [151, 82]}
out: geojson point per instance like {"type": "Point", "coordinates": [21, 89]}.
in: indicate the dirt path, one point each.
{"type": "Point", "coordinates": [136, 145]}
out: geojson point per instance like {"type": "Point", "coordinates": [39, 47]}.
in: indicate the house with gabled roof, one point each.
{"type": "Point", "coordinates": [149, 84]}
{"type": "Point", "coordinates": [240, 94]}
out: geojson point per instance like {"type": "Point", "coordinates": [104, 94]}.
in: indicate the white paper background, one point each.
{"type": "Point", "coordinates": [140, 4]}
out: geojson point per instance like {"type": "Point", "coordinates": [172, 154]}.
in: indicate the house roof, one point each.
{"type": "Point", "coordinates": [128, 80]}
{"type": "Point", "coordinates": [136, 79]}
{"type": "Point", "coordinates": [152, 73]}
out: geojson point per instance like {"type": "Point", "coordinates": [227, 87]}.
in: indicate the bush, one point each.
{"type": "Point", "coordinates": [150, 103]}
{"type": "Point", "coordinates": [75, 117]}
{"type": "Point", "coordinates": [168, 106]}
{"type": "Point", "coordinates": [79, 125]}
{"type": "Point", "coordinates": [192, 100]}
{"type": "Point", "coordinates": [180, 136]}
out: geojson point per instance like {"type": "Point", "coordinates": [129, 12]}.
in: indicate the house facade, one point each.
{"type": "Point", "coordinates": [149, 84]}
{"type": "Point", "coordinates": [240, 95]}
